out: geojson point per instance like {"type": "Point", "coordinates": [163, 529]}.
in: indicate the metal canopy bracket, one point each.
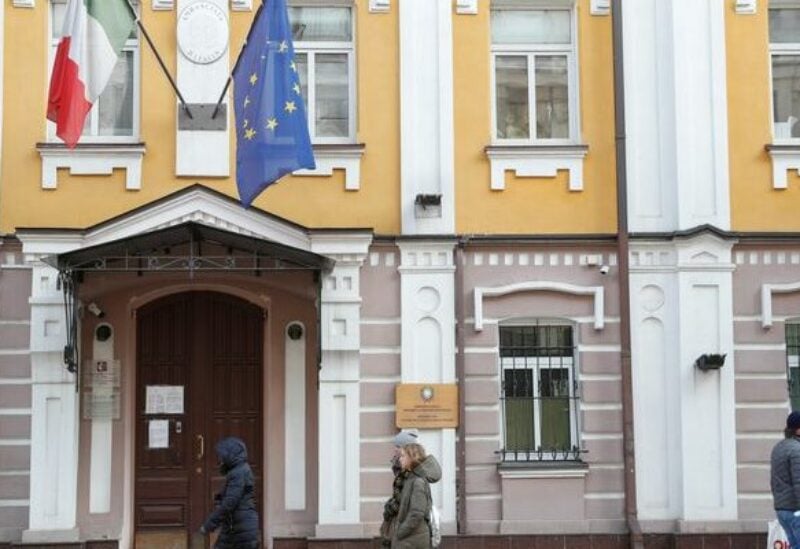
{"type": "Point", "coordinates": [68, 282]}
{"type": "Point", "coordinates": [202, 118]}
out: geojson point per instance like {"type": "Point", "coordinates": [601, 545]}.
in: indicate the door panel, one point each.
{"type": "Point", "coordinates": [212, 345]}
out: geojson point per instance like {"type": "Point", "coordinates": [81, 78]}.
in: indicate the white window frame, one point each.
{"type": "Point", "coordinates": [792, 360]}
{"type": "Point", "coordinates": [533, 362]}
{"type": "Point", "coordinates": [310, 49]}
{"type": "Point", "coordinates": [133, 45]}
{"type": "Point", "coordinates": [776, 50]}
{"type": "Point", "coordinates": [531, 51]}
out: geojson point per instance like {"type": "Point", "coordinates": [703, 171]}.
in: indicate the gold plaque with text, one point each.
{"type": "Point", "coordinates": [426, 405]}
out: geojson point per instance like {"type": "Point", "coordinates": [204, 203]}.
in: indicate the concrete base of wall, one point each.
{"type": "Point", "coordinates": [99, 544]}
{"type": "Point", "coordinates": [651, 541]}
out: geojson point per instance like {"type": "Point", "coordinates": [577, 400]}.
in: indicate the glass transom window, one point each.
{"type": "Point", "coordinates": [784, 37]}
{"type": "Point", "coordinates": [323, 40]}
{"type": "Point", "coordinates": [538, 393]}
{"type": "Point", "coordinates": [535, 78]}
{"type": "Point", "coordinates": [114, 117]}
{"type": "Point", "coordinates": [793, 362]}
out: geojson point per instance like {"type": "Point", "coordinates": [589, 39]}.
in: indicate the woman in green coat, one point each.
{"type": "Point", "coordinates": [412, 530]}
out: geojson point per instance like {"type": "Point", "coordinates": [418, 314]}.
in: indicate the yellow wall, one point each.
{"type": "Point", "coordinates": [533, 205]}
{"type": "Point", "coordinates": [755, 205]}
{"type": "Point", "coordinates": [83, 201]}
{"type": "Point", "coordinates": [527, 205]}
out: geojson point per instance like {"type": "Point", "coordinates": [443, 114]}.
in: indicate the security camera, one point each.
{"type": "Point", "coordinates": [95, 310]}
{"type": "Point", "coordinates": [604, 269]}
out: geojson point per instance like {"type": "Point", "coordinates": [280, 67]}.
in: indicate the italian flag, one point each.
{"type": "Point", "coordinates": [94, 33]}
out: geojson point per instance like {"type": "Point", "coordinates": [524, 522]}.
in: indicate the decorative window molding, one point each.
{"type": "Point", "coordinates": [745, 7]}
{"type": "Point", "coordinates": [784, 158]}
{"type": "Point", "coordinates": [541, 285]}
{"type": "Point", "coordinates": [242, 5]}
{"type": "Point", "coordinates": [600, 7]}
{"type": "Point", "coordinates": [766, 299]}
{"type": "Point", "coordinates": [467, 7]}
{"type": "Point", "coordinates": [341, 157]}
{"type": "Point", "coordinates": [92, 160]}
{"type": "Point", "coordinates": [163, 5]}
{"type": "Point", "coordinates": [543, 469]}
{"type": "Point", "coordinates": [380, 6]}
{"type": "Point", "coordinates": [537, 161]}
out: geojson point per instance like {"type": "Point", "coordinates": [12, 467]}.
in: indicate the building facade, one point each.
{"type": "Point", "coordinates": [460, 229]}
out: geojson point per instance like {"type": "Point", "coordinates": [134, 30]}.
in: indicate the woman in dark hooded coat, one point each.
{"type": "Point", "coordinates": [235, 513]}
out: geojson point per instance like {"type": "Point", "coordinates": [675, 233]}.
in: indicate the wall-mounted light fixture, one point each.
{"type": "Point", "coordinates": [708, 362]}
{"type": "Point", "coordinates": [428, 205]}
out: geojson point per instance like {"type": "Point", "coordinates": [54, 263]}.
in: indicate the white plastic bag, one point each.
{"type": "Point", "coordinates": [436, 527]}
{"type": "Point", "coordinates": [776, 538]}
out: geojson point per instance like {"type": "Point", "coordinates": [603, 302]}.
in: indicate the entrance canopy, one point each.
{"type": "Point", "coordinates": [191, 247]}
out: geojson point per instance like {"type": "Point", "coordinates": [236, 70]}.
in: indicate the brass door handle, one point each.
{"type": "Point", "coordinates": [202, 451]}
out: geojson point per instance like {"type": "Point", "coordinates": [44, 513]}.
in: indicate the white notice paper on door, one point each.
{"type": "Point", "coordinates": [158, 433]}
{"type": "Point", "coordinates": [164, 399]}
{"type": "Point", "coordinates": [173, 399]}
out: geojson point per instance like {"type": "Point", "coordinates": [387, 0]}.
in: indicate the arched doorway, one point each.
{"type": "Point", "coordinates": [199, 359]}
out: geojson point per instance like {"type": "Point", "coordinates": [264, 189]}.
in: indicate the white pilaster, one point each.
{"type": "Point", "coordinates": [681, 308]}
{"type": "Point", "coordinates": [426, 112]}
{"type": "Point", "coordinates": [676, 113]}
{"type": "Point", "coordinates": [202, 153]}
{"type": "Point", "coordinates": [102, 436]}
{"type": "Point", "coordinates": [656, 381]}
{"type": "Point", "coordinates": [295, 417]}
{"type": "Point", "coordinates": [708, 411]}
{"type": "Point", "coordinates": [428, 346]}
{"type": "Point", "coordinates": [54, 411]}
{"type": "Point", "coordinates": [339, 427]}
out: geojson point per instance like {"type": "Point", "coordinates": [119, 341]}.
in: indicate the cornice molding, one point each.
{"type": "Point", "coordinates": [597, 292]}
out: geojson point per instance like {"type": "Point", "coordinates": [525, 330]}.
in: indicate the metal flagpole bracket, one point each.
{"type": "Point", "coordinates": [202, 117]}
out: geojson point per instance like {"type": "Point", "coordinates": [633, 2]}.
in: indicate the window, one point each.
{"type": "Point", "coordinates": [535, 77]}
{"type": "Point", "coordinates": [539, 393]}
{"type": "Point", "coordinates": [323, 41]}
{"type": "Point", "coordinates": [115, 115]}
{"type": "Point", "coordinates": [793, 362]}
{"type": "Point", "coordinates": [784, 38]}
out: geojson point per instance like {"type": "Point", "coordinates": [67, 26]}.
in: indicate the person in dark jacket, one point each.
{"type": "Point", "coordinates": [392, 505]}
{"type": "Point", "coordinates": [413, 531]}
{"type": "Point", "coordinates": [235, 513]}
{"type": "Point", "coordinates": [785, 479]}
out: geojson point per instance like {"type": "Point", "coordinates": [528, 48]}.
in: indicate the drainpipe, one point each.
{"type": "Point", "coordinates": [461, 446]}
{"type": "Point", "coordinates": [629, 456]}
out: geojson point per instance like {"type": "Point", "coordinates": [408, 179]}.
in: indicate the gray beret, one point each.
{"type": "Point", "coordinates": [406, 437]}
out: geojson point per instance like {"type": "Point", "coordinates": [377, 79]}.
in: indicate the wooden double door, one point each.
{"type": "Point", "coordinates": [206, 349]}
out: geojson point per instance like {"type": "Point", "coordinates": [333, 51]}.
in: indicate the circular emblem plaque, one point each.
{"type": "Point", "coordinates": [203, 32]}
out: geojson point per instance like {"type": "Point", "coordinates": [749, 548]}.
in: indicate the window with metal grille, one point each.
{"type": "Point", "coordinates": [539, 393]}
{"type": "Point", "coordinates": [793, 362]}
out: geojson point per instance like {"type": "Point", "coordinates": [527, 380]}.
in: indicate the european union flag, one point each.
{"type": "Point", "coordinates": [271, 128]}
